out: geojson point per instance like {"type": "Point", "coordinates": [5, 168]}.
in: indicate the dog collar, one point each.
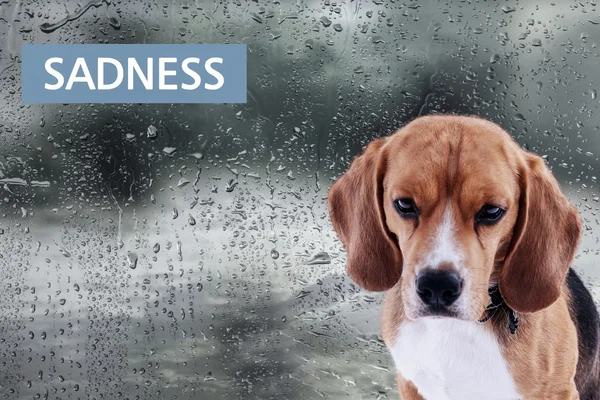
{"type": "Point", "coordinates": [492, 309]}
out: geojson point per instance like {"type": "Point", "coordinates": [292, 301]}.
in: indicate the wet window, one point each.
{"type": "Point", "coordinates": [185, 251]}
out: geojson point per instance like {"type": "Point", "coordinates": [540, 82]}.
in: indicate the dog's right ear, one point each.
{"type": "Point", "coordinates": [355, 202]}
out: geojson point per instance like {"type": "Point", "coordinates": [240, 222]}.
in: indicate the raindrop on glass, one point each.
{"type": "Point", "coordinates": [132, 260]}
{"type": "Point", "coordinates": [152, 132]}
{"type": "Point", "coordinates": [319, 258]}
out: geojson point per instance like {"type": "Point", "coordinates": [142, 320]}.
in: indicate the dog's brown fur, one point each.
{"type": "Point", "coordinates": [468, 162]}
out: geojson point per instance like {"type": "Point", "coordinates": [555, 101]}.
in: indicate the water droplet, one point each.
{"type": "Point", "coordinates": [519, 117]}
{"type": "Point", "coordinates": [169, 150]}
{"type": "Point", "coordinates": [325, 21]}
{"type": "Point", "coordinates": [152, 132]}
{"type": "Point", "coordinates": [257, 18]}
{"type": "Point", "coordinates": [337, 27]}
{"type": "Point", "coordinates": [42, 184]}
{"type": "Point", "coordinates": [208, 376]}
{"type": "Point", "coordinates": [319, 258]}
{"type": "Point", "coordinates": [303, 293]}
{"type": "Point", "coordinates": [114, 23]}
{"type": "Point", "coordinates": [63, 251]}
{"type": "Point", "coordinates": [182, 182]}
{"type": "Point", "coordinates": [156, 248]}
{"type": "Point", "coordinates": [231, 184]}
{"type": "Point", "coordinates": [191, 220]}
{"type": "Point", "coordinates": [274, 254]}
{"type": "Point", "coordinates": [175, 213]}
{"type": "Point", "coordinates": [132, 260]}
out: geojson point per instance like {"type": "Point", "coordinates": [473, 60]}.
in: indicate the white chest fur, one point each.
{"type": "Point", "coordinates": [449, 359]}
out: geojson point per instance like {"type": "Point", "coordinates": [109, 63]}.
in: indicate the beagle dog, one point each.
{"type": "Point", "coordinates": [472, 238]}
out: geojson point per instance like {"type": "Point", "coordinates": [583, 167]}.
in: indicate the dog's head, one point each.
{"type": "Point", "coordinates": [449, 206]}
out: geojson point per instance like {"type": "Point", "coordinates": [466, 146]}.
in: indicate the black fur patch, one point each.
{"type": "Point", "coordinates": [585, 317]}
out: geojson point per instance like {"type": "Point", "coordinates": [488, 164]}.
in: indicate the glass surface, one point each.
{"type": "Point", "coordinates": [185, 251]}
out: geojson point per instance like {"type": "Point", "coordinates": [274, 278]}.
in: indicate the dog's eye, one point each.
{"type": "Point", "coordinates": [406, 208]}
{"type": "Point", "coordinates": [489, 214]}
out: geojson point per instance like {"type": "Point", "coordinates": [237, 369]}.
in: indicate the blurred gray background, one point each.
{"type": "Point", "coordinates": [185, 251]}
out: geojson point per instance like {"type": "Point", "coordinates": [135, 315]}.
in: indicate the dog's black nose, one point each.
{"type": "Point", "coordinates": [439, 288]}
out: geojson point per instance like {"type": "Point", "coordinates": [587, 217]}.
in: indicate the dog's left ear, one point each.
{"type": "Point", "coordinates": [545, 238]}
{"type": "Point", "coordinates": [356, 209]}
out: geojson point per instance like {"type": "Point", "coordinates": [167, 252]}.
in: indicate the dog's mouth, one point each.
{"type": "Point", "coordinates": [435, 311]}
{"type": "Point", "coordinates": [439, 311]}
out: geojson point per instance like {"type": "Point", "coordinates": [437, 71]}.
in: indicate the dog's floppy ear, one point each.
{"type": "Point", "coordinates": [544, 241]}
{"type": "Point", "coordinates": [355, 202]}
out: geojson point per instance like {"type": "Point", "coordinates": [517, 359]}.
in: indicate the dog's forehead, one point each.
{"type": "Point", "coordinates": [473, 155]}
